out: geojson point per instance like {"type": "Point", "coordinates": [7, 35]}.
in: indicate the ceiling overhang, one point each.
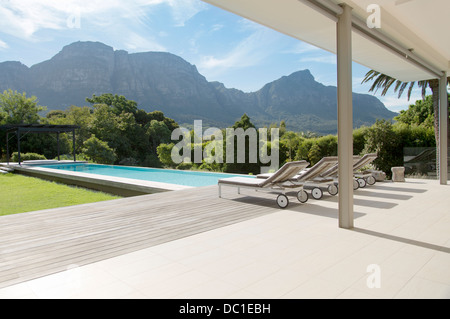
{"type": "Point", "coordinates": [411, 45]}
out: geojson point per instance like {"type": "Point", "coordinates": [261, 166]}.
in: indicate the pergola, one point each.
{"type": "Point", "coordinates": [410, 44]}
{"type": "Point", "coordinates": [22, 129]}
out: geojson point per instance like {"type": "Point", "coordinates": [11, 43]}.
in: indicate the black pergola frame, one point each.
{"type": "Point", "coordinates": [20, 129]}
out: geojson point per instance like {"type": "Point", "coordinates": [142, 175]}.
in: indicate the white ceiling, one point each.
{"type": "Point", "coordinates": [421, 25]}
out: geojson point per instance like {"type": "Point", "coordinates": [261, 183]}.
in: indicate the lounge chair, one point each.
{"type": "Point", "coordinates": [312, 178]}
{"type": "Point", "coordinates": [364, 177]}
{"type": "Point", "coordinates": [332, 188]}
{"type": "Point", "coordinates": [280, 182]}
{"type": "Point", "coordinates": [361, 179]}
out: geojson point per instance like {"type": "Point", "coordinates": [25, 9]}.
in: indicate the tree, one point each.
{"type": "Point", "coordinates": [17, 108]}
{"type": "Point", "coordinates": [165, 154]}
{"type": "Point", "coordinates": [98, 151]}
{"type": "Point", "coordinates": [244, 123]}
{"type": "Point", "coordinates": [385, 82]}
{"type": "Point", "coordinates": [420, 114]}
{"type": "Point", "coordinates": [314, 154]}
{"type": "Point", "coordinates": [158, 133]}
{"type": "Point", "coordinates": [116, 130]}
{"type": "Point", "coordinates": [118, 103]}
{"type": "Point", "coordinates": [382, 139]}
{"type": "Point", "coordinates": [290, 141]}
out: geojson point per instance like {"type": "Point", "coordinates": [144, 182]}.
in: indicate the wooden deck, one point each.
{"type": "Point", "coordinates": [41, 243]}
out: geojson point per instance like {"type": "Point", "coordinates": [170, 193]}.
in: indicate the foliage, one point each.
{"type": "Point", "coordinates": [415, 135]}
{"type": "Point", "coordinates": [382, 139]}
{"type": "Point", "coordinates": [419, 114]}
{"type": "Point", "coordinates": [115, 130]}
{"type": "Point", "coordinates": [158, 133]}
{"type": "Point", "coordinates": [164, 152]}
{"type": "Point", "coordinates": [17, 108]}
{"type": "Point", "coordinates": [98, 151]}
{"type": "Point", "coordinates": [359, 139]}
{"type": "Point", "coordinates": [244, 123]}
{"type": "Point", "coordinates": [289, 142]}
{"type": "Point", "coordinates": [26, 157]}
{"type": "Point", "coordinates": [314, 154]}
{"type": "Point", "coordinates": [385, 82]}
{"type": "Point", "coordinates": [249, 165]}
{"type": "Point", "coordinates": [117, 103]}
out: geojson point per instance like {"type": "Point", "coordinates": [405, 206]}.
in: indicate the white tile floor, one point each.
{"type": "Point", "coordinates": [403, 229]}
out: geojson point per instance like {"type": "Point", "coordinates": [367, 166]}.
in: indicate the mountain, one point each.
{"type": "Point", "coordinates": [163, 81]}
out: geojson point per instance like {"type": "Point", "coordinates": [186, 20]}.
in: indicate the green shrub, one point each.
{"type": "Point", "coordinates": [151, 160]}
{"type": "Point", "coordinates": [185, 166]}
{"type": "Point", "coordinates": [69, 157]}
{"type": "Point", "coordinates": [27, 157]}
{"type": "Point", "coordinates": [164, 152]}
{"type": "Point", "coordinates": [382, 139]}
{"type": "Point", "coordinates": [98, 151]}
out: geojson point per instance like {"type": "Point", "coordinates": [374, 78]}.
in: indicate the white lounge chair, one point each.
{"type": "Point", "coordinates": [364, 177]}
{"type": "Point", "coordinates": [280, 182]}
{"type": "Point", "coordinates": [317, 177]}
{"type": "Point", "coordinates": [332, 188]}
{"type": "Point", "coordinates": [361, 179]}
{"type": "Point", "coordinates": [312, 178]}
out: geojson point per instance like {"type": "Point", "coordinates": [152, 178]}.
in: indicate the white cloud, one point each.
{"type": "Point", "coordinates": [324, 58]}
{"type": "Point", "coordinates": [3, 45]}
{"type": "Point", "coordinates": [25, 18]}
{"type": "Point", "coordinates": [183, 10]}
{"type": "Point", "coordinates": [135, 42]}
{"type": "Point", "coordinates": [249, 52]}
{"type": "Point", "coordinates": [302, 48]}
{"type": "Point", "coordinates": [395, 104]}
{"type": "Point", "coordinates": [216, 27]}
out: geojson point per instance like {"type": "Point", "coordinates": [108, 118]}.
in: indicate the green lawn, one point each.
{"type": "Point", "coordinates": [19, 194]}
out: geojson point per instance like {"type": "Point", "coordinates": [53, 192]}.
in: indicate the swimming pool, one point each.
{"type": "Point", "coordinates": [168, 176]}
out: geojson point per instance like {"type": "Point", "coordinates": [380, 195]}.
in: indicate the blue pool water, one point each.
{"type": "Point", "coordinates": [186, 178]}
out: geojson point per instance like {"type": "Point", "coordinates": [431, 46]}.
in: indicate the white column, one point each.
{"type": "Point", "coordinates": [345, 117]}
{"type": "Point", "coordinates": [443, 128]}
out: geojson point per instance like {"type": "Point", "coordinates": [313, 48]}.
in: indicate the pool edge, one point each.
{"type": "Point", "coordinates": [114, 185]}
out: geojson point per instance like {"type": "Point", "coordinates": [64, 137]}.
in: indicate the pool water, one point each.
{"type": "Point", "coordinates": [178, 177]}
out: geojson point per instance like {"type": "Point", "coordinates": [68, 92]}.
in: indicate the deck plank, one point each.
{"type": "Point", "coordinates": [41, 243]}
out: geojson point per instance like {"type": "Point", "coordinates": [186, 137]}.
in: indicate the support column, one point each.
{"type": "Point", "coordinates": [443, 128]}
{"type": "Point", "coordinates": [57, 140]}
{"type": "Point", "coordinates": [7, 147]}
{"type": "Point", "coordinates": [18, 144]}
{"type": "Point", "coordinates": [345, 117]}
{"type": "Point", "coordinates": [74, 149]}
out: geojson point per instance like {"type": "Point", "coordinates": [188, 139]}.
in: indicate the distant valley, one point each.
{"type": "Point", "coordinates": [165, 82]}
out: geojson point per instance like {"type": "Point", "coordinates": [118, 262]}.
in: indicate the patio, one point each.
{"type": "Point", "coordinates": [200, 246]}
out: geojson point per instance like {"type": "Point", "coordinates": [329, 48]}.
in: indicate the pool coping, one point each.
{"type": "Point", "coordinates": [116, 185]}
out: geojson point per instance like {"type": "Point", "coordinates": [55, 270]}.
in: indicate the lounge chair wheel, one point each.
{"type": "Point", "coordinates": [371, 180]}
{"type": "Point", "coordinates": [355, 184]}
{"type": "Point", "coordinates": [282, 201]}
{"type": "Point", "coordinates": [361, 182]}
{"type": "Point", "coordinates": [317, 193]}
{"type": "Point", "coordinates": [302, 196]}
{"type": "Point", "coordinates": [332, 189]}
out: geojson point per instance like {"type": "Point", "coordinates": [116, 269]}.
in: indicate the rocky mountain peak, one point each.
{"type": "Point", "coordinates": [166, 82]}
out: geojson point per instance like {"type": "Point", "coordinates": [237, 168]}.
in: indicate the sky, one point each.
{"type": "Point", "coordinates": [224, 47]}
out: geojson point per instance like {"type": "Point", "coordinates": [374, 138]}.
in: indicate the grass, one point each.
{"type": "Point", "coordinates": [20, 194]}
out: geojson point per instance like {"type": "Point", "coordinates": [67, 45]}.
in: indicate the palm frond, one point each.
{"type": "Point", "coordinates": [385, 82]}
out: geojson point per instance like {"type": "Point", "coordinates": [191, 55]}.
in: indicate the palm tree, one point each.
{"type": "Point", "coordinates": [385, 82]}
